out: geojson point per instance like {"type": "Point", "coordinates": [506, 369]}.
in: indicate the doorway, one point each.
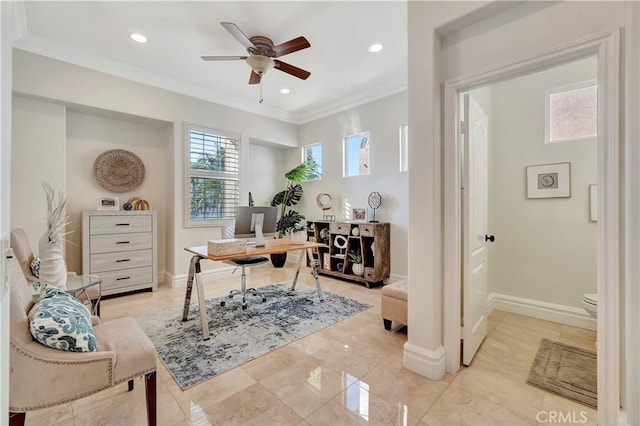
{"type": "Point", "coordinates": [605, 48]}
{"type": "Point", "coordinates": [531, 243]}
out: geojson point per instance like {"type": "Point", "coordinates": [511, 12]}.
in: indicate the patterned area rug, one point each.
{"type": "Point", "coordinates": [239, 336]}
{"type": "Point", "coordinates": [567, 371]}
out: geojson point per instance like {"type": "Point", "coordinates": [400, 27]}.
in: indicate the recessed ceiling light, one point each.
{"type": "Point", "coordinates": [285, 91]}
{"type": "Point", "coordinates": [374, 48]}
{"type": "Point", "coordinates": [138, 37]}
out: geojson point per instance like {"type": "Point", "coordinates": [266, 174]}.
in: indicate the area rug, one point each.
{"type": "Point", "coordinates": [239, 336]}
{"type": "Point", "coordinates": [567, 371]}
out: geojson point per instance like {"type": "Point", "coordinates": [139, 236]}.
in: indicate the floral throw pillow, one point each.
{"type": "Point", "coordinates": [61, 321]}
{"type": "Point", "coordinates": [35, 266]}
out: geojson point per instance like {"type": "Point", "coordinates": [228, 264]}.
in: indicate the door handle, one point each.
{"type": "Point", "coordinates": [489, 238]}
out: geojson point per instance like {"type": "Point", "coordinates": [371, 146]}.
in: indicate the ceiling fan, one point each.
{"type": "Point", "coordinates": [262, 53]}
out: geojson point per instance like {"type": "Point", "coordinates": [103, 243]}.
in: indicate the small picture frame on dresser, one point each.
{"type": "Point", "coordinates": [358, 214]}
{"type": "Point", "coordinates": [108, 203]}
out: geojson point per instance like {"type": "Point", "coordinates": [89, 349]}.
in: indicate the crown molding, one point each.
{"type": "Point", "coordinates": [53, 50]}
{"type": "Point", "coordinates": [94, 62]}
{"type": "Point", "coordinates": [352, 100]}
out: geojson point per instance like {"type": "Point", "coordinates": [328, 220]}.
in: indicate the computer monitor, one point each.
{"type": "Point", "coordinates": [256, 222]}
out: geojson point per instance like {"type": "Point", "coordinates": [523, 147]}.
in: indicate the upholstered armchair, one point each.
{"type": "Point", "coordinates": [22, 251]}
{"type": "Point", "coordinates": [41, 376]}
{"type": "Point", "coordinates": [24, 255]}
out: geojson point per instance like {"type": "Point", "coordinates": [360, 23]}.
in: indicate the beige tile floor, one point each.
{"type": "Point", "coordinates": [348, 373]}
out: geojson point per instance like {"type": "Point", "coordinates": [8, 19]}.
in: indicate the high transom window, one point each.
{"type": "Point", "coordinates": [572, 112]}
{"type": "Point", "coordinates": [356, 155]}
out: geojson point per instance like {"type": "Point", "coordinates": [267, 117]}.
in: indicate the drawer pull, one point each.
{"type": "Point", "coordinates": [122, 224]}
{"type": "Point", "coordinates": [123, 242]}
{"type": "Point", "coordinates": [123, 260]}
{"type": "Point", "coordinates": [122, 278]}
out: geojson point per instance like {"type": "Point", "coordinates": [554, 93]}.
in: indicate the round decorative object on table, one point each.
{"type": "Point", "coordinates": [119, 170]}
{"type": "Point", "coordinates": [138, 203]}
{"type": "Point", "coordinates": [324, 201]}
{"type": "Point", "coordinates": [127, 206]}
{"type": "Point", "coordinates": [357, 269]}
{"type": "Point", "coordinates": [340, 242]}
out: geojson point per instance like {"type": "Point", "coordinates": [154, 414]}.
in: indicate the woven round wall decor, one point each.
{"type": "Point", "coordinates": [119, 170]}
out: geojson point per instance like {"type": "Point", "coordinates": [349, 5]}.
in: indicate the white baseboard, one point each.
{"type": "Point", "coordinates": [425, 362]}
{"type": "Point", "coordinates": [567, 315]}
{"type": "Point", "coordinates": [394, 278]}
{"type": "Point", "coordinates": [176, 281]}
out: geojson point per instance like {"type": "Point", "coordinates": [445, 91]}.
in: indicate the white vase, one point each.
{"type": "Point", "coordinates": [299, 237]}
{"type": "Point", "coordinates": [358, 269]}
{"type": "Point", "coordinates": [53, 268]}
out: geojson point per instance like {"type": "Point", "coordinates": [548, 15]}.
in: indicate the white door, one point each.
{"type": "Point", "coordinates": [474, 235]}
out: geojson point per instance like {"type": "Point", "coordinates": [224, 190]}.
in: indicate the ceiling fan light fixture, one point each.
{"type": "Point", "coordinates": [260, 64]}
{"type": "Point", "coordinates": [285, 91]}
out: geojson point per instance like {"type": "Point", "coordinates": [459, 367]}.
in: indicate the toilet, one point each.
{"type": "Point", "coordinates": [590, 304]}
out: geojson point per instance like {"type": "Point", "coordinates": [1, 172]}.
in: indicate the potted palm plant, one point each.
{"type": "Point", "coordinates": [288, 218]}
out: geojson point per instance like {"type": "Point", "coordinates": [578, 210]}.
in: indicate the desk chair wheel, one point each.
{"type": "Point", "coordinates": [264, 299]}
{"type": "Point", "coordinates": [244, 307]}
{"type": "Point", "coordinates": [223, 303]}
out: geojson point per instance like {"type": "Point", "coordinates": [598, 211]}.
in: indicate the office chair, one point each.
{"type": "Point", "coordinates": [244, 262]}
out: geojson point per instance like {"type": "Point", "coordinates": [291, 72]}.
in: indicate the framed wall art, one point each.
{"type": "Point", "coordinates": [549, 181]}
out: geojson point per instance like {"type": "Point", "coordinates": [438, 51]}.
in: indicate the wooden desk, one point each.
{"type": "Point", "coordinates": [271, 246]}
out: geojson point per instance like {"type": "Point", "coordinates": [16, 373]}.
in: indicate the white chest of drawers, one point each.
{"type": "Point", "coordinates": [121, 248]}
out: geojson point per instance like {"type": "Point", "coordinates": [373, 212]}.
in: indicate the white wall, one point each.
{"type": "Point", "coordinates": [545, 249]}
{"type": "Point", "coordinates": [382, 118]}
{"type": "Point", "coordinates": [87, 137]}
{"type": "Point", "coordinates": [78, 87]}
{"type": "Point", "coordinates": [38, 156]}
{"type": "Point", "coordinates": [267, 166]}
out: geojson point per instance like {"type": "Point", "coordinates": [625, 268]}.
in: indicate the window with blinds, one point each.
{"type": "Point", "coordinates": [213, 164]}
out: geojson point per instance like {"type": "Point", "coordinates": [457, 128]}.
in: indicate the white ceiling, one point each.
{"type": "Point", "coordinates": [95, 34]}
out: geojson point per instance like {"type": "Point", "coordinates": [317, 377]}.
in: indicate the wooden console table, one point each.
{"type": "Point", "coordinates": [371, 240]}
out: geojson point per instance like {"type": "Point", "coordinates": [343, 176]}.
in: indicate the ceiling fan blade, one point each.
{"type": "Point", "coordinates": [238, 34]}
{"type": "Point", "coordinates": [291, 46]}
{"type": "Point", "coordinates": [254, 78]}
{"type": "Point", "coordinates": [222, 58]}
{"type": "Point", "coordinates": [290, 69]}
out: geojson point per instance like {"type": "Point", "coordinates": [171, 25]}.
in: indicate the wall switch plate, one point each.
{"type": "Point", "coordinates": [8, 254]}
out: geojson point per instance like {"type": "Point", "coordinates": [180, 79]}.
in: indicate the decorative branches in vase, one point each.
{"type": "Point", "coordinates": [53, 269]}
